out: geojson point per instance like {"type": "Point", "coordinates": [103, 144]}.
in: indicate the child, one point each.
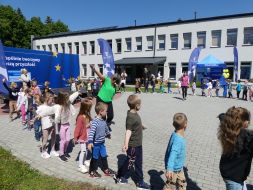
{"type": "Point", "coordinates": [45, 112]}
{"type": "Point", "coordinates": [175, 155]}
{"type": "Point", "coordinates": [237, 147]}
{"type": "Point", "coordinates": [63, 111]}
{"type": "Point", "coordinates": [13, 96]}
{"type": "Point", "coordinates": [169, 86]}
{"type": "Point", "coordinates": [137, 85]}
{"type": "Point", "coordinates": [22, 103]}
{"type": "Point", "coordinates": [133, 145]}
{"type": "Point", "coordinates": [98, 132]}
{"type": "Point", "coordinates": [245, 91]}
{"type": "Point", "coordinates": [80, 134]}
{"type": "Point", "coordinates": [230, 89]}
{"type": "Point", "coordinates": [193, 88]}
{"type": "Point", "coordinates": [36, 120]}
{"type": "Point", "coordinates": [209, 88]}
{"type": "Point", "coordinates": [238, 88]}
{"type": "Point", "coordinates": [161, 86]}
{"type": "Point", "coordinates": [217, 88]}
{"type": "Point", "coordinates": [35, 88]}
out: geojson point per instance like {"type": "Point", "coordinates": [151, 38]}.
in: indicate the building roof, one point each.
{"type": "Point", "coordinates": [141, 60]}
{"type": "Point", "coordinates": [115, 28]}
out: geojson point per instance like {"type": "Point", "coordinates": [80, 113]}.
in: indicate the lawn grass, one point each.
{"type": "Point", "coordinates": [15, 174]}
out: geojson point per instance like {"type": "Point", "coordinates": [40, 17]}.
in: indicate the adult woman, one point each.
{"type": "Point", "coordinates": [184, 85]}
{"type": "Point", "coordinates": [107, 91]}
{"type": "Point", "coordinates": [26, 81]}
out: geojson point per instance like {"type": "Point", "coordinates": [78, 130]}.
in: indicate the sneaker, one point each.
{"type": "Point", "coordinates": [67, 155]}
{"type": "Point", "coordinates": [63, 158]}
{"type": "Point", "coordinates": [82, 169]}
{"type": "Point", "coordinates": [54, 153]}
{"type": "Point", "coordinates": [95, 174]}
{"type": "Point", "coordinates": [45, 155]}
{"type": "Point", "coordinates": [109, 172]}
{"type": "Point", "coordinates": [121, 180]}
{"type": "Point", "coordinates": [142, 186]}
{"type": "Point", "coordinates": [87, 163]}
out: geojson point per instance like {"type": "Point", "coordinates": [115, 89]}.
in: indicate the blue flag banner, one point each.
{"type": "Point", "coordinates": [3, 70]}
{"type": "Point", "coordinates": [235, 63]}
{"type": "Point", "coordinates": [193, 63]}
{"type": "Point", "coordinates": [107, 55]}
{"type": "Point", "coordinates": [57, 68]}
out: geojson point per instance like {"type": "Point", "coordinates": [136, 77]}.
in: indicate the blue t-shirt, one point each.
{"type": "Point", "coordinates": [238, 87]}
{"type": "Point", "coordinates": [176, 153]}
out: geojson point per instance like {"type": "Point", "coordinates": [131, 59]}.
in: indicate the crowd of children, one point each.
{"type": "Point", "coordinates": [49, 114]}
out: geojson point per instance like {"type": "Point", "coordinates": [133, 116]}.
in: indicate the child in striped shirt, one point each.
{"type": "Point", "coordinates": [98, 132]}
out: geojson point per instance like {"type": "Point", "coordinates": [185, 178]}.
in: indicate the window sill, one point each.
{"type": "Point", "coordinates": [127, 50]}
{"type": "Point", "coordinates": [215, 47]}
{"type": "Point", "coordinates": [160, 49]}
{"type": "Point", "coordinates": [229, 46]}
{"type": "Point", "coordinates": [149, 50]}
{"type": "Point", "coordinates": [98, 54]}
{"type": "Point", "coordinates": [173, 49]}
{"type": "Point", "coordinates": [247, 44]}
{"type": "Point", "coordinates": [137, 50]}
{"type": "Point", "coordinates": [92, 54]}
{"type": "Point", "coordinates": [186, 48]}
{"type": "Point", "coordinates": [117, 53]}
{"type": "Point", "coordinates": [83, 54]}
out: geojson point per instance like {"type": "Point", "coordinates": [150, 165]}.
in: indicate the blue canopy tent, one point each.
{"type": "Point", "coordinates": [210, 67]}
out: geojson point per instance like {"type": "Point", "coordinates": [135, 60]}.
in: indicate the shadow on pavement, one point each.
{"type": "Point", "coordinates": [191, 185]}
{"type": "Point", "coordinates": [156, 180]}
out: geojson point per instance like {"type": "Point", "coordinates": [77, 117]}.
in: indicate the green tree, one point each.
{"type": "Point", "coordinates": [16, 31]}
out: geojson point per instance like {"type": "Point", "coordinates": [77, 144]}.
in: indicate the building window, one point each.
{"type": "Point", "coordinates": [150, 42]}
{"type": "Point", "coordinates": [92, 47]}
{"type": "Point", "coordinates": [84, 69]}
{"type": "Point", "coordinates": [184, 67]}
{"type": "Point", "coordinates": [187, 40]}
{"type": "Point", "coordinates": [172, 67]}
{"type": "Point", "coordinates": [77, 47]}
{"type": "Point", "coordinates": [84, 48]}
{"type": "Point", "coordinates": [70, 48]}
{"type": "Point", "coordinates": [161, 42]}
{"type": "Point", "coordinates": [245, 70]}
{"type": "Point", "coordinates": [50, 47]}
{"type": "Point", "coordinates": [56, 47]}
{"type": "Point", "coordinates": [216, 38]}
{"type": "Point", "coordinates": [230, 67]}
{"type": "Point", "coordinates": [248, 35]}
{"type": "Point", "coordinates": [119, 47]}
{"type": "Point", "coordinates": [128, 44]}
{"type": "Point", "coordinates": [110, 43]}
{"type": "Point", "coordinates": [174, 41]}
{"type": "Point", "coordinates": [63, 48]}
{"type": "Point", "coordinates": [138, 43]}
{"type": "Point", "coordinates": [38, 47]}
{"type": "Point", "coordinates": [100, 66]}
{"type": "Point", "coordinates": [201, 39]}
{"type": "Point", "coordinates": [232, 37]}
{"type": "Point", "coordinates": [44, 47]}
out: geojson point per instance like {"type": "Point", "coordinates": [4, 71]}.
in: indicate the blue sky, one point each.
{"type": "Point", "coordinates": [86, 14]}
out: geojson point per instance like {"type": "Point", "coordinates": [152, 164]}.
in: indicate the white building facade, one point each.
{"type": "Point", "coordinates": [164, 47]}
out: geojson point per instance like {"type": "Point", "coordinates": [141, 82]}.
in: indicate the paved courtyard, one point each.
{"type": "Point", "coordinates": [203, 149]}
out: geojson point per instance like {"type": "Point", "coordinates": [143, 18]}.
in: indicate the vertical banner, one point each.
{"type": "Point", "coordinates": [107, 55]}
{"type": "Point", "coordinates": [235, 63]}
{"type": "Point", "coordinates": [3, 69]}
{"type": "Point", "coordinates": [193, 63]}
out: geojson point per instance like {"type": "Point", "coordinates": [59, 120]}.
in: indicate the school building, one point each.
{"type": "Point", "coordinates": [164, 47]}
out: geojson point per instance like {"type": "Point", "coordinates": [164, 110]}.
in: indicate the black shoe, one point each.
{"type": "Point", "coordinates": [63, 158]}
{"type": "Point", "coordinates": [95, 174]}
{"type": "Point", "coordinates": [67, 155]}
